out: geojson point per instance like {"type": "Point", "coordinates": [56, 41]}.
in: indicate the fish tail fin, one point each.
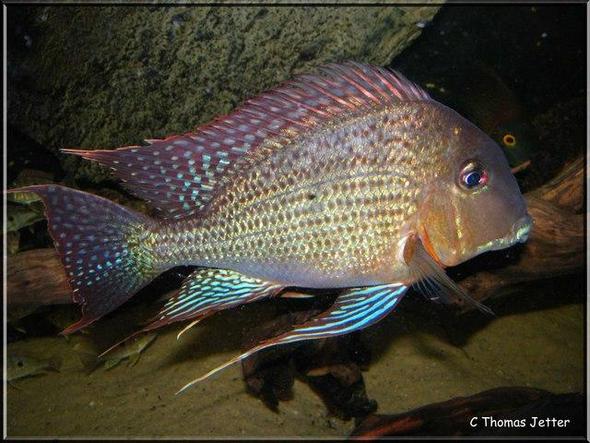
{"type": "Point", "coordinates": [103, 246]}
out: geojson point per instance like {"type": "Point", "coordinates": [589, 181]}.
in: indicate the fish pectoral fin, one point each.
{"type": "Point", "coordinates": [134, 359]}
{"type": "Point", "coordinates": [111, 363]}
{"type": "Point", "coordinates": [207, 291]}
{"type": "Point", "coordinates": [433, 282]}
{"type": "Point", "coordinates": [353, 310]}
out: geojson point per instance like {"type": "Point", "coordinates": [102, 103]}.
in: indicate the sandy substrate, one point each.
{"type": "Point", "coordinates": [415, 362]}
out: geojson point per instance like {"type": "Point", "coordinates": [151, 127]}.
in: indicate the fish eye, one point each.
{"type": "Point", "coordinates": [509, 140]}
{"type": "Point", "coordinates": [473, 176]}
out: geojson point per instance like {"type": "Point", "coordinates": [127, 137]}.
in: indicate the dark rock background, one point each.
{"type": "Point", "coordinates": [104, 77]}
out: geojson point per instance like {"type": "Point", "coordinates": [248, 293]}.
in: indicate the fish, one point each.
{"type": "Point", "coordinates": [131, 350]}
{"type": "Point", "coordinates": [18, 366]}
{"type": "Point", "coordinates": [350, 179]}
{"type": "Point", "coordinates": [86, 351]}
{"type": "Point", "coordinates": [478, 92]}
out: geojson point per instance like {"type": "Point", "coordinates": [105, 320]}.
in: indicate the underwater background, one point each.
{"type": "Point", "coordinates": [104, 77]}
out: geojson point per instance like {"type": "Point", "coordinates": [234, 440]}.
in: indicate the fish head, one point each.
{"type": "Point", "coordinates": [517, 138]}
{"type": "Point", "coordinates": [473, 204]}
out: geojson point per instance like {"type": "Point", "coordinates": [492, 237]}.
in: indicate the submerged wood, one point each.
{"type": "Point", "coordinates": [36, 277]}
{"type": "Point", "coordinates": [512, 408]}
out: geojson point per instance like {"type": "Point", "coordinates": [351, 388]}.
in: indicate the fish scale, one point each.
{"type": "Point", "coordinates": [275, 219]}
{"type": "Point", "coordinates": [350, 178]}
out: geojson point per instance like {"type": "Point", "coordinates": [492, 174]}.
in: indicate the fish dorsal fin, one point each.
{"type": "Point", "coordinates": [179, 174]}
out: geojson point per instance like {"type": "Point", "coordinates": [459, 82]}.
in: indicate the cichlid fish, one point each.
{"type": "Point", "coordinates": [131, 350]}
{"type": "Point", "coordinates": [479, 93]}
{"type": "Point", "coordinates": [352, 178]}
{"type": "Point", "coordinates": [18, 366]}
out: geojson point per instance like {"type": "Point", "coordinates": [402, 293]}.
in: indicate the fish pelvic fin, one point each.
{"type": "Point", "coordinates": [433, 282]}
{"type": "Point", "coordinates": [103, 246]}
{"type": "Point", "coordinates": [353, 310]}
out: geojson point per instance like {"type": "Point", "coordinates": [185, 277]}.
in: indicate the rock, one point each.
{"type": "Point", "coordinates": [112, 76]}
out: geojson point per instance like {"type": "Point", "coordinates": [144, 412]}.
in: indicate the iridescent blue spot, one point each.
{"type": "Point", "coordinates": [180, 176]}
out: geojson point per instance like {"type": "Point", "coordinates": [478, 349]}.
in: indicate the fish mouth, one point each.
{"type": "Point", "coordinates": [519, 233]}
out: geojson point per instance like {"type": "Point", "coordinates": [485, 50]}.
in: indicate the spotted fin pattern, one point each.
{"type": "Point", "coordinates": [203, 293]}
{"type": "Point", "coordinates": [207, 291]}
{"type": "Point", "coordinates": [178, 175]}
{"type": "Point", "coordinates": [353, 310]}
{"type": "Point", "coordinates": [100, 246]}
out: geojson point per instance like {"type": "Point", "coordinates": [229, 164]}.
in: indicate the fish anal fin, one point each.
{"type": "Point", "coordinates": [203, 293]}
{"type": "Point", "coordinates": [207, 291]}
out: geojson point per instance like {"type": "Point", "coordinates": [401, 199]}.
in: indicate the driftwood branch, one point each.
{"type": "Point", "coordinates": [465, 416]}
{"type": "Point", "coordinates": [36, 277]}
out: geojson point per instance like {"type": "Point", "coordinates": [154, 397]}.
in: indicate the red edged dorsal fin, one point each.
{"type": "Point", "coordinates": [179, 174]}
